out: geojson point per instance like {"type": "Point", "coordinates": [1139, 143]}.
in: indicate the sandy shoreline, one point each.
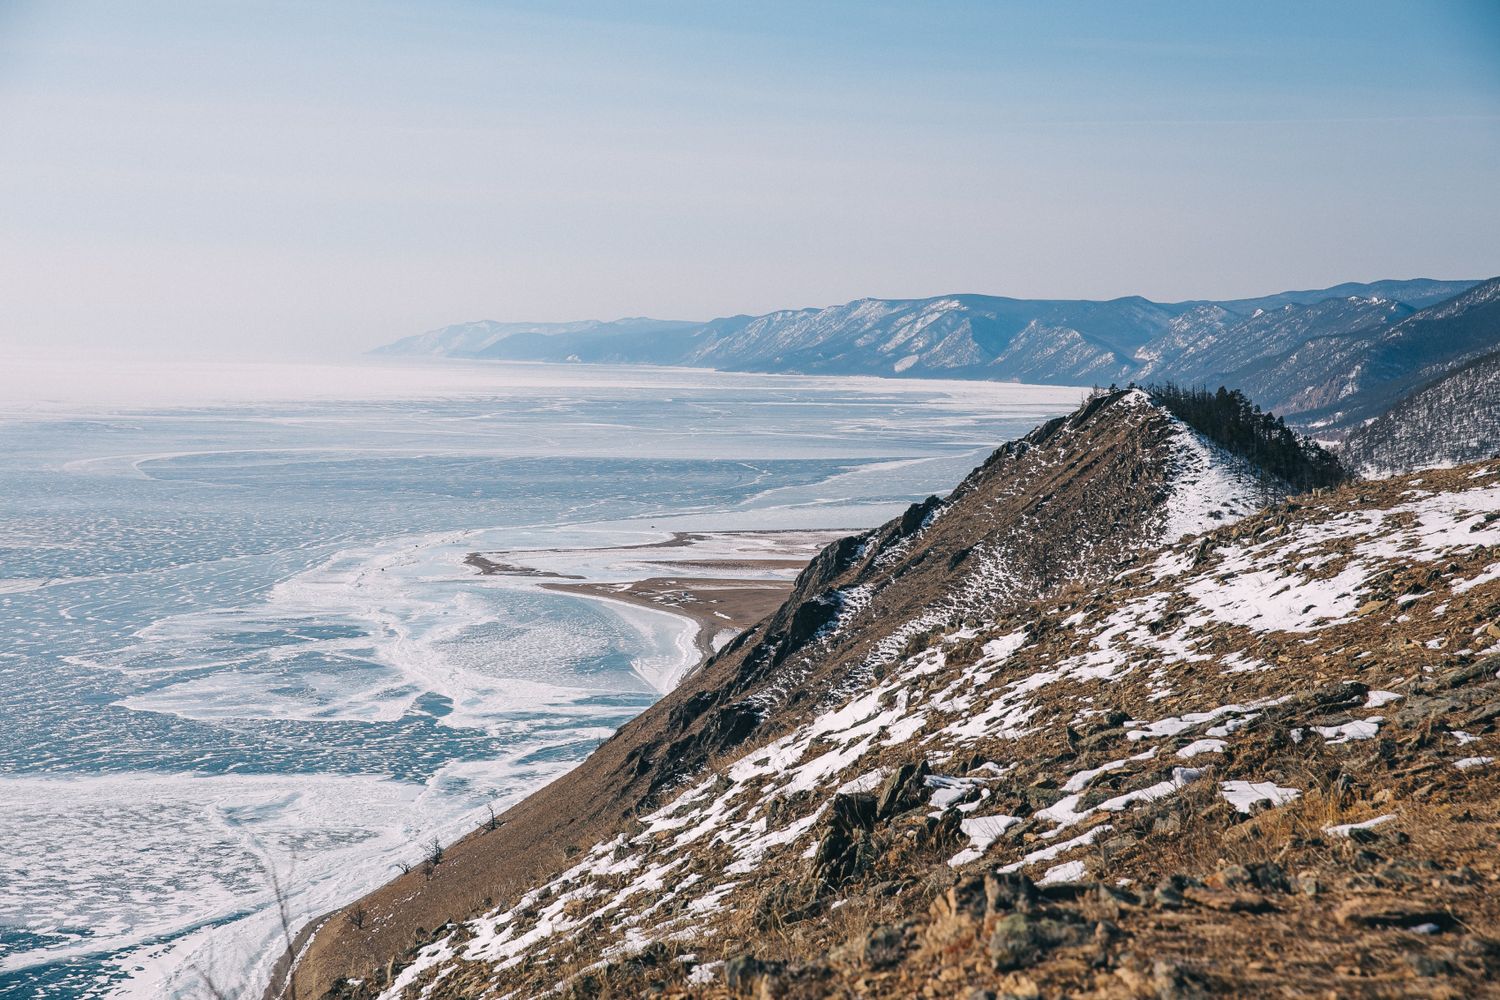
{"type": "Point", "coordinates": [725, 582]}
{"type": "Point", "coordinates": [716, 606]}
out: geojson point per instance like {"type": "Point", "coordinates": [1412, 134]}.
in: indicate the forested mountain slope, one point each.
{"type": "Point", "coordinates": [1451, 420]}
{"type": "Point", "coordinates": [1334, 383]}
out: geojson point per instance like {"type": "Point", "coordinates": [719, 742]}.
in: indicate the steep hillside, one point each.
{"type": "Point", "coordinates": [1064, 506]}
{"type": "Point", "coordinates": [1212, 354]}
{"type": "Point", "coordinates": [1419, 293]}
{"type": "Point", "coordinates": [1228, 418]}
{"type": "Point", "coordinates": [1452, 420]}
{"type": "Point", "coordinates": [984, 336]}
{"type": "Point", "coordinates": [973, 335]}
{"type": "Point", "coordinates": [1255, 763]}
{"type": "Point", "coordinates": [1334, 383]}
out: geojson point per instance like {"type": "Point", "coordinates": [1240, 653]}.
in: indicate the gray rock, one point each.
{"type": "Point", "coordinates": [1021, 940]}
{"type": "Point", "coordinates": [1168, 892]}
{"type": "Point", "coordinates": [1005, 892]}
{"type": "Point", "coordinates": [881, 948]}
{"type": "Point", "coordinates": [945, 830]}
{"type": "Point", "coordinates": [1465, 674]}
{"type": "Point", "coordinates": [1487, 713]}
{"type": "Point", "coordinates": [903, 789]}
{"type": "Point", "coordinates": [1174, 981]}
{"type": "Point", "coordinates": [743, 973]}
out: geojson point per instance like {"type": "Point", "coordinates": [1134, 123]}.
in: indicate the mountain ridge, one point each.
{"type": "Point", "coordinates": [1454, 418]}
{"type": "Point", "coordinates": [1062, 505]}
{"type": "Point", "coordinates": [1378, 371]}
{"type": "Point", "coordinates": [1297, 352]}
{"type": "Point", "coordinates": [1416, 292]}
{"type": "Point", "coordinates": [999, 743]}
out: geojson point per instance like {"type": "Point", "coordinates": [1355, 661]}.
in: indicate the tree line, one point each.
{"type": "Point", "coordinates": [1236, 424]}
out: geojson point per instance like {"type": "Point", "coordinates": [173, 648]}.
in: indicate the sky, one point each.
{"type": "Point", "coordinates": [210, 179]}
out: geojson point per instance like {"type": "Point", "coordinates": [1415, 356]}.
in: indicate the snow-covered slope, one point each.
{"type": "Point", "coordinates": [1455, 419]}
{"type": "Point", "coordinates": [1343, 381]}
{"type": "Point", "coordinates": [1215, 354]}
{"type": "Point", "coordinates": [1060, 509]}
{"type": "Point", "coordinates": [1210, 487]}
{"type": "Point", "coordinates": [1259, 344]}
{"type": "Point", "coordinates": [1263, 759]}
{"type": "Point", "coordinates": [967, 335]}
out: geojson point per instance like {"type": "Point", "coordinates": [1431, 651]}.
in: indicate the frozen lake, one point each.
{"type": "Point", "coordinates": [237, 633]}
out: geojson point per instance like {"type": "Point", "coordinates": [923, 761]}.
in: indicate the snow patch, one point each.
{"type": "Point", "coordinates": [1243, 795]}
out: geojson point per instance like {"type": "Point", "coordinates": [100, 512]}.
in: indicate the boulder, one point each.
{"type": "Point", "coordinates": [743, 973]}
{"type": "Point", "coordinates": [1021, 940]}
{"type": "Point", "coordinates": [905, 788]}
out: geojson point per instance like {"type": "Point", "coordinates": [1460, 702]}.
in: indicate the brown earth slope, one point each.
{"type": "Point", "coordinates": [1069, 503]}
{"type": "Point", "coordinates": [1257, 763]}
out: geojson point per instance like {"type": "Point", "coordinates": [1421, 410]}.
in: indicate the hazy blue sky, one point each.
{"type": "Point", "coordinates": [317, 178]}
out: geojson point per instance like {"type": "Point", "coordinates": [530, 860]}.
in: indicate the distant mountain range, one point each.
{"type": "Point", "coordinates": [1327, 359]}
{"type": "Point", "coordinates": [637, 340]}
{"type": "Point", "coordinates": [1450, 420]}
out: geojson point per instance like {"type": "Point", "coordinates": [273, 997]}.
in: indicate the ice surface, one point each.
{"type": "Point", "coordinates": [238, 626]}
